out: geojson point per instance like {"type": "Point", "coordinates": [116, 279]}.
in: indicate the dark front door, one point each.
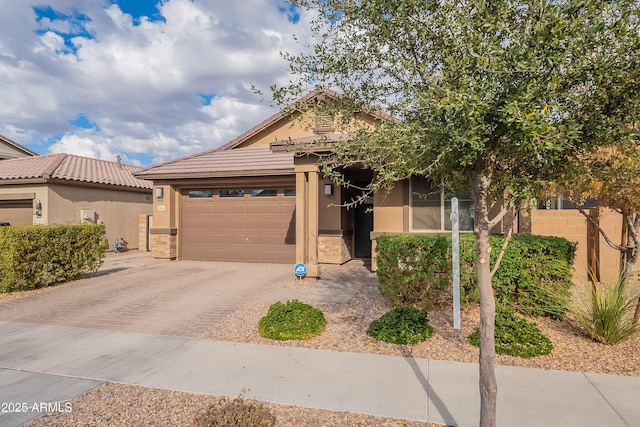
{"type": "Point", "coordinates": [362, 230]}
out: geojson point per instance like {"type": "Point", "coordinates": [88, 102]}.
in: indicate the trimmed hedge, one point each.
{"type": "Point", "coordinates": [34, 256]}
{"type": "Point", "coordinates": [534, 275]}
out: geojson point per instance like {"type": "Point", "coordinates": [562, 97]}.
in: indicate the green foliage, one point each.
{"type": "Point", "coordinates": [501, 88]}
{"type": "Point", "coordinates": [515, 336]}
{"type": "Point", "coordinates": [236, 412]}
{"type": "Point", "coordinates": [606, 313]}
{"type": "Point", "coordinates": [292, 320]}
{"type": "Point", "coordinates": [402, 325]}
{"type": "Point", "coordinates": [413, 270]}
{"type": "Point", "coordinates": [534, 275]}
{"type": "Point", "coordinates": [35, 256]}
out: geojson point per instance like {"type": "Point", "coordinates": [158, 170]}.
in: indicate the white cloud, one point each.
{"type": "Point", "coordinates": [83, 146]}
{"type": "Point", "coordinates": [140, 83]}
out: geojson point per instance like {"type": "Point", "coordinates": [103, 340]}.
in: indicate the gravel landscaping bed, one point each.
{"type": "Point", "coordinates": [121, 405]}
{"type": "Point", "coordinates": [124, 405]}
{"type": "Point", "coordinates": [347, 326]}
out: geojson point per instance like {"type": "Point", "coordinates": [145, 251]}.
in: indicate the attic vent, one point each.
{"type": "Point", "coordinates": [324, 123]}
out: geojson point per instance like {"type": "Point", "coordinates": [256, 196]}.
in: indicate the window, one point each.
{"type": "Point", "coordinates": [559, 201]}
{"type": "Point", "coordinates": [289, 192]}
{"type": "Point", "coordinates": [430, 210]}
{"type": "Point", "coordinates": [264, 193]}
{"type": "Point", "coordinates": [231, 193]}
{"type": "Point", "coordinates": [200, 194]}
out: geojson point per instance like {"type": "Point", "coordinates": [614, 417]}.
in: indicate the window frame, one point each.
{"type": "Point", "coordinates": [442, 206]}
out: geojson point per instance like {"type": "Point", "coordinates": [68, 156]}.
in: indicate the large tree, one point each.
{"type": "Point", "coordinates": [491, 96]}
{"type": "Point", "coordinates": [610, 175]}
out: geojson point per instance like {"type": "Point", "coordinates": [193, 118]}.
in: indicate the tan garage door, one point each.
{"type": "Point", "coordinates": [251, 224]}
{"type": "Point", "coordinates": [16, 212]}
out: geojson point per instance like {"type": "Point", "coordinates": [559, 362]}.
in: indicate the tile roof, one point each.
{"type": "Point", "coordinates": [68, 167]}
{"type": "Point", "coordinates": [251, 161]}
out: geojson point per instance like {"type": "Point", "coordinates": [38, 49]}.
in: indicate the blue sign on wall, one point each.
{"type": "Point", "coordinates": [300, 270]}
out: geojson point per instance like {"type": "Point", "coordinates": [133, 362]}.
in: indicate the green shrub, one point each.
{"type": "Point", "coordinates": [236, 412]}
{"type": "Point", "coordinates": [606, 314]}
{"type": "Point", "coordinates": [413, 270]}
{"type": "Point", "coordinates": [516, 336]}
{"type": "Point", "coordinates": [534, 275]}
{"type": "Point", "coordinates": [293, 320]}
{"type": "Point", "coordinates": [34, 256]}
{"type": "Point", "coordinates": [402, 325]}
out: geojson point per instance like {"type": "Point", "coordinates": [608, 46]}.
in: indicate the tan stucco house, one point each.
{"type": "Point", "coordinates": [64, 188]}
{"type": "Point", "coordinates": [256, 200]}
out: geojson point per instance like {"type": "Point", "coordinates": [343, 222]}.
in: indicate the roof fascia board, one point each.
{"type": "Point", "coordinates": [104, 186]}
{"type": "Point", "coordinates": [10, 182]}
{"type": "Point", "coordinates": [17, 146]}
{"type": "Point", "coordinates": [232, 174]}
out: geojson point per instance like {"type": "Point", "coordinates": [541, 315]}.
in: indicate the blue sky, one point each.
{"type": "Point", "coordinates": [148, 80]}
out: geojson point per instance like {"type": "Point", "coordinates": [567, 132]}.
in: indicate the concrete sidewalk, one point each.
{"type": "Point", "coordinates": [46, 364]}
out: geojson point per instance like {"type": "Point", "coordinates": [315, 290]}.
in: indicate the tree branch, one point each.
{"type": "Point", "coordinates": [500, 215]}
{"type": "Point", "coordinates": [502, 251]}
{"type": "Point", "coordinates": [602, 232]}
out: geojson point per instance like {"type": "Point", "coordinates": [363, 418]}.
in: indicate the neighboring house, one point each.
{"type": "Point", "coordinates": [64, 188]}
{"type": "Point", "coordinates": [12, 150]}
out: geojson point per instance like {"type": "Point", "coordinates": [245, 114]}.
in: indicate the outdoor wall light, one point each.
{"type": "Point", "coordinates": [328, 189]}
{"type": "Point", "coordinates": [159, 192]}
{"type": "Point", "coordinates": [37, 208]}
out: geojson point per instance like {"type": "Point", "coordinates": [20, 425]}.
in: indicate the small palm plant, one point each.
{"type": "Point", "coordinates": [606, 314]}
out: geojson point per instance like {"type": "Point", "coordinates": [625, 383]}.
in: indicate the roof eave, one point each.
{"type": "Point", "coordinates": [222, 174]}
{"type": "Point", "coordinates": [118, 187]}
{"type": "Point", "coordinates": [23, 181]}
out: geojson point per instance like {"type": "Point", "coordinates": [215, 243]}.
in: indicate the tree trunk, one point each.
{"type": "Point", "coordinates": [488, 385]}
{"type": "Point", "coordinates": [632, 222]}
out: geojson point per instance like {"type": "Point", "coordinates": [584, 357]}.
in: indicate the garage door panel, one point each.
{"type": "Point", "coordinates": [267, 239]}
{"type": "Point", "coordinates": [265, 209]}
{"type": "Point", "coordinates": [230, 253]}
{"type": "Point", "coordinates": [199, 252]}
{"type": "Point", "coordinates": [249, 229]}
{"type": "Point", "coordinates": [266, 256]}
{"type": "Point", "coordinates": [266, 224]}
{"type": "Point", "coordinates": [230, 207]}
{"type": "Point", "coordinates": [230, 224]}
{"type": "Point", "coordinates": [17, 212]}
{"type": "Point", "coordinates": [229, 239]}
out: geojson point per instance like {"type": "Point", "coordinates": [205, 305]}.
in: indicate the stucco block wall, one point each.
{"type": "Point", "coordinates": [572, 225]}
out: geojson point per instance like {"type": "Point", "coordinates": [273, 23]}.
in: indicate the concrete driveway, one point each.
{"type": "Point", "coordinates": [180, 298]}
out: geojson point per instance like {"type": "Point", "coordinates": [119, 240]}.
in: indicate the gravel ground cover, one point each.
{"type": "Point", "coordinates": [347, 326]}
{"type": "Point", "coordinates": [121, 405]}
{"type": "Point", "coordinates": [125, 405]}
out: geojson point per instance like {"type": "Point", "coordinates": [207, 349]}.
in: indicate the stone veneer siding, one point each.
{"type": "Point", "coordinates": [164, 243]}
{"type": "Point", "coordinates": [143, 232]}
{"type": "Point", "coordinates": [334, 249]}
